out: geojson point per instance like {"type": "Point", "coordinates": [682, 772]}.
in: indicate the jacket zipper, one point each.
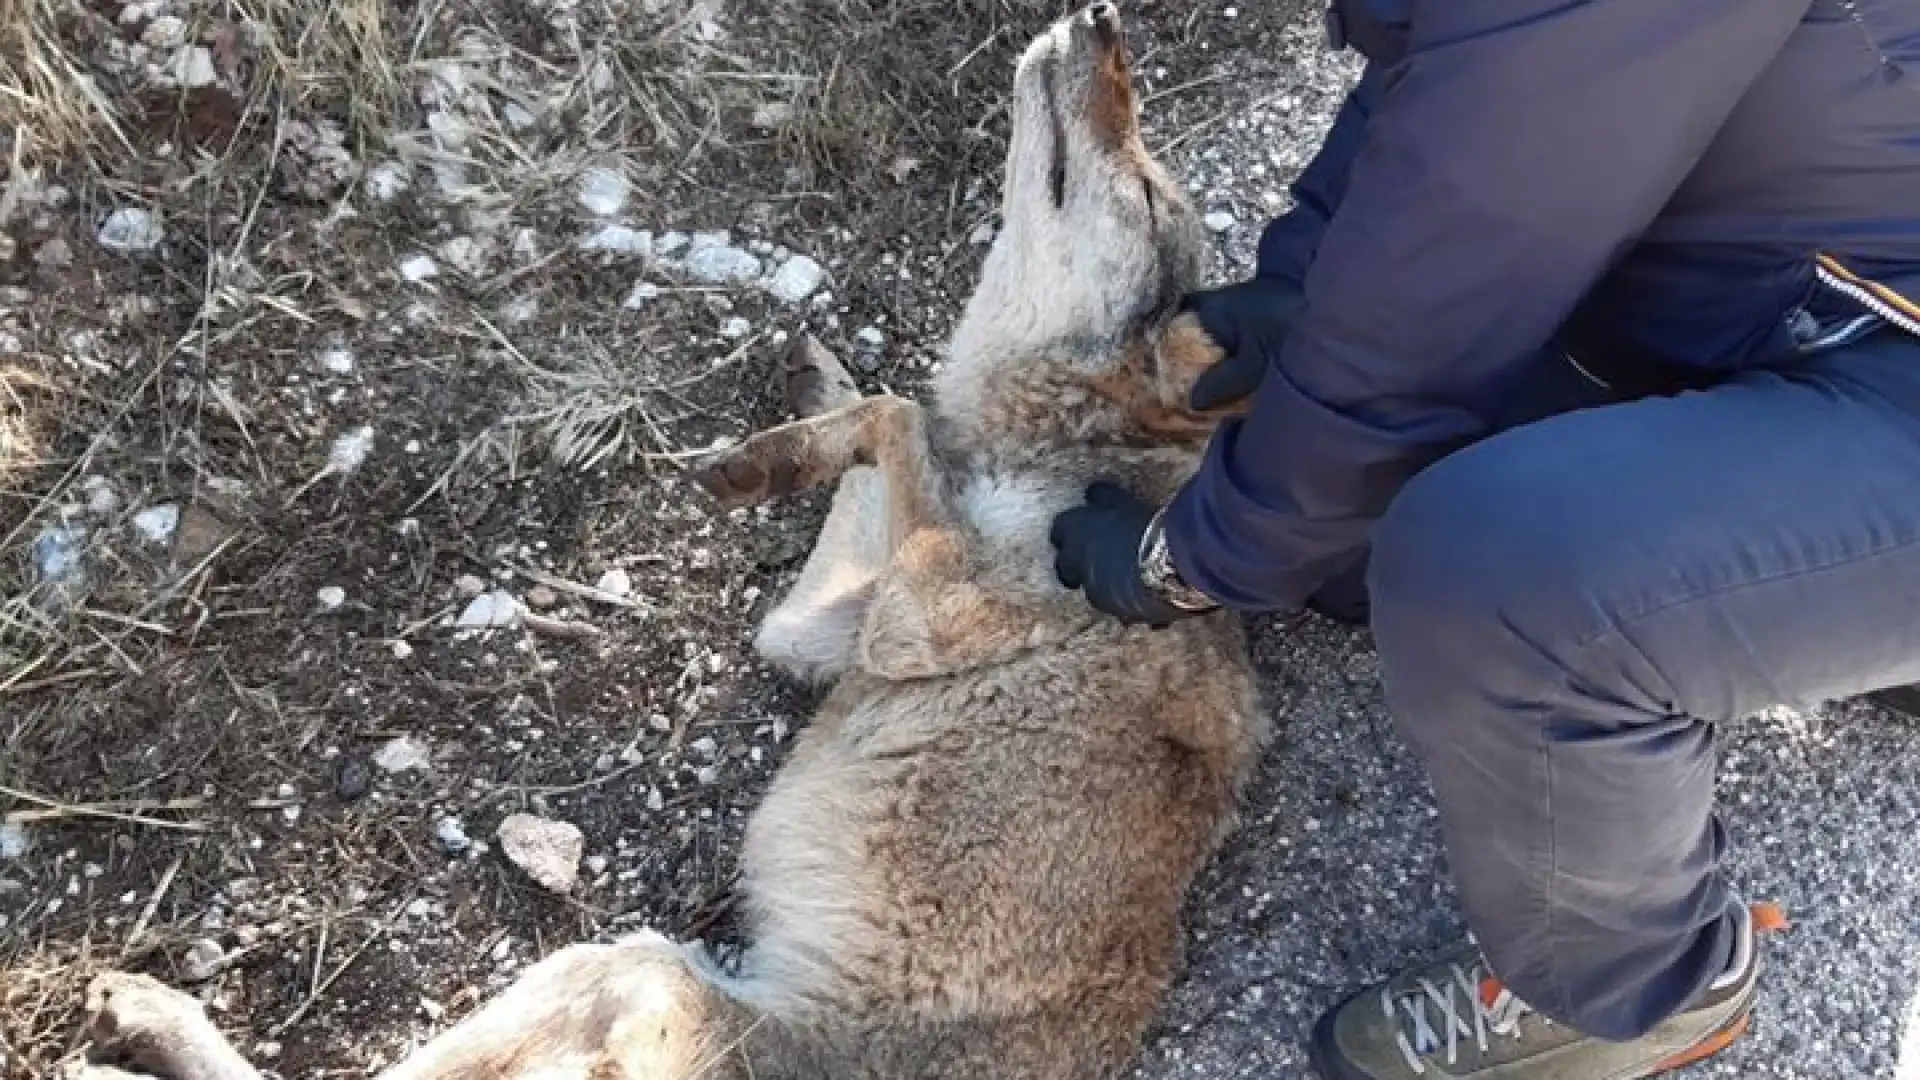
{"type": "Point", "coordinates": [1883, 302]}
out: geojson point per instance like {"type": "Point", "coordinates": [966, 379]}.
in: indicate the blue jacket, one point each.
{"type": "Point", "coordinates": [1680, 180]}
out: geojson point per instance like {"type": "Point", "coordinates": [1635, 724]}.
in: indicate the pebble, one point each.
{"type": "Point", "coordinates": [549, 851]}
{"type": "Point", "coordinates": [614, 583]}
{"type": "Point", "coordinates": [469, 585]}
{"type": "Point", "coordinates": [1220, 221]}
{"type": "Point", "coordinates": [498, 608]}
{"type": "Point", "coordinates": [331, 597]}
{"type": "Point", "coordinates": [58, 555]}
{"type": "Point", "coordinates": [54, 254]}
{"type": "Point", "coordinates": [402, 754]}
{"type": "Point", "coordinates": [418, 268]}
{"type": "Point", "coordinates": [870, 336]}
{"type": "Point", "coordinates": [981, 236]}
{"type": "Point", "coordinates": [619, 240]}
{"type": "Point", "coordinates": [735, 328]}
{"type": "Point", "coordinates": [352, 777]}
{"type": "Point", "coordinates": [165, 32]}
{"type": "Point", "coordinates": [192, 67]}
{"type": "Point", "coordinates": [130, 230]}
{"type": "Point", "coordinates": [202, 961]}
{"type": "Point", "coordinates": [642, 292]}
{"type": "Point", "coordinates": [465, 254]}
{"type": "Point", "coordinates": [156, 524]}
{"type": "Point", "coordinates": [603, 191]}
{"type": "Point", "coordinates": [541, 597]}
{"type": "Point", "coordinates": [720, 264]}
{"type": "Point", "coordinates": [452, 836]}
{"type": "Point", "coordinates": [796, 279]}
{"type": "Point", "coordinates": [101, 498]}
{"type": "Point", "coordinates": [402, 650]}
{"type": "Point", "coordinates": [14, 841]}
{"type": "Point", "coordinates": [337, 359]}
{"type": "Point", "coordinates": [350, 450]}
{"type": "Point", "coordinates": [386, 181]}
{"type": "Point", "coordinates": [523, 309]}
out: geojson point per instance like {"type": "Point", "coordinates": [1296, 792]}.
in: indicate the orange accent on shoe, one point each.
{"type": "Point", "coordinates": [1706, 1047]}
{"type": "Point", "coordinates": [1490, 990]}
{"type": "Point", "coordinates": [1769, 917]}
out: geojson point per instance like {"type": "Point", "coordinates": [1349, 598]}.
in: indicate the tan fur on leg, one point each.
{"type": "Point", "coordinates": [160, 1030]}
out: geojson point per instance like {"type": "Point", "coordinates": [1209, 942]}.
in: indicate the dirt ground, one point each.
{"type": "Point", "coordinates": [256, 463]}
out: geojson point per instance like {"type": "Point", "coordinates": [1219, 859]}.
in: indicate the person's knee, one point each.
{"type": "Point", "coordinates": [1484, 569]}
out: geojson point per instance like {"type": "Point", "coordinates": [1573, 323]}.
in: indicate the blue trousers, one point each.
{"type": "Point", "coordinates": [1565, 610]}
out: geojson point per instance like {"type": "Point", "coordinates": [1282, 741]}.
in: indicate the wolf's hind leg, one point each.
{"type": "Point", "coordinates": [159, 1030]}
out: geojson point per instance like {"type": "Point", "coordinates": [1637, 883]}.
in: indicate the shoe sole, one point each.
{"type": "Point", "coordinates": [1323, 1053]}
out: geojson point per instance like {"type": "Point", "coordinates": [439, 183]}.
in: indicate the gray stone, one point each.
{"type": "Point", "coordinates": [549, 851]}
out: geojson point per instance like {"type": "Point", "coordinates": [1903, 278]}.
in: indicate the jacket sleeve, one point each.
{"type": "Point", "coordinates": [1514, 154]}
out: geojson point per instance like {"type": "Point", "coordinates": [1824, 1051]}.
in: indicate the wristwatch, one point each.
{"type": "Point", "coordinates": [1159, 574]}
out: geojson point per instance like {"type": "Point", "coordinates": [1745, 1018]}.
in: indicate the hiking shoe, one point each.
{"type": "Point", "coordinates": [1455, 1020]}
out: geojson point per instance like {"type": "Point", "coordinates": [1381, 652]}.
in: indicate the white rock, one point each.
{"type": "Point", "coordinates": [465, 254]}
{"type": "Point", "coordinates": [350, 450]}
{"type": "Point", "coordinates": [521, 309]}
{"type": "Point", "coordinates": [403, 754]}
{"type": "Point", "coordinates": [131, 230]}
{"type": "Point", "coordinates": [719, 264]}
{"type": "Point", "coordinates": [386, 180]}
{"type": "Point", "coordinates": [603, 191]}
{"type": "Point", "coordinates": [59, 554]}
{"type": "Point", "coordinates": [469, 585]}
{"type": "Point", "coordinates": [796, 279]}
{"type": "Point", "coordinates": [14, 841]}
{"type": "Point", "coordinates": [330, 597]}
{"type": "Point", "coordinates": [448, 129]}
{"type": "Point", "coordinates": [735, 328]}
{"type": "Point", "coordinates": [156, 524]}
{"type": "Point", "coordinates": [549, 851]}
{"type": "Point", "coordinates": [642, 292]}
{"type": "Point", "coordinates": [1220, 221]}
{"type": "Point", "coordinates": [101, 498]}
{"type": "Point", "coordinates": [981, 236]}
{"type": "Point", "coordinates": [192, 67]}
{"type": "Point", "coordinates": [614, 583]}
{"type": "Point", "coordinates": [452, 836]}
{"type": "Point", "coordinates": [491, 609]}
{"type": "Point", "coordinates": [337, 359]}
{"type": "Point", "coordinates": [417, 268]}
{"type": "Point", "coordinates": [870, 336]}
{"type": "Point", "coordinates": [619, 240]}
{"type": "Point", "coordinates": [401, 650]}
{"type": "Point", "coordinates": [202, 961]}
{"type": "Point", "coordinates": [526, 245]}
{"type": "Point", "coordinates": [517, 117]}
{"type": "Point", "coordinates": [165, 32]}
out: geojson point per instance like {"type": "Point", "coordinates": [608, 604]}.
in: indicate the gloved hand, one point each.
{"type": "Point", "coordinates": [1097, 548]}
{"type": "Point", "coordinates": [1249, 320]}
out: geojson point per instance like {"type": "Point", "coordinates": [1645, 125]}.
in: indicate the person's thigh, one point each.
{"type": "Point", "coordinates": [1756, 543]}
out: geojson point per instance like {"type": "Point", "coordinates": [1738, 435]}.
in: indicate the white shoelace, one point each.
{"type": "Point", "coordinates": [1478, 1021]}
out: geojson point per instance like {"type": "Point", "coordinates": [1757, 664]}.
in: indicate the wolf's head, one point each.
{"type": "Point", "coordinates": [1097, 242]}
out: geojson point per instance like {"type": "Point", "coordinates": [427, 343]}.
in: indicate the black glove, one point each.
{"type": "Point", "coordinates": [1097, 547]}
{"type": "Point", "coordinates": [1249, 321]}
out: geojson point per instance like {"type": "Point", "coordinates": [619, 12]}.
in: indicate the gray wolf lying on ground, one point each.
{"type": "Point", "coordinates": [973, 862]}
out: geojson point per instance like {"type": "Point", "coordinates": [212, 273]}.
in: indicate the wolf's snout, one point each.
{"type": "Point", "coordinates": [1106, 22]}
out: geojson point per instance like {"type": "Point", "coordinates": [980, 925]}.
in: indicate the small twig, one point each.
{"type": "Point", "coordinates": [153, 905]}
{"type": "Point", "coordinates": [1214, 121]}
{"type": "Point", "coordinates": [17, 684]}
{"type": "Point", "coordinates": [560, 628]}
{"type": "Point", "coordinates": [121, 811]}
{"type": "Point", "coordinates": [574, 588]}
{"type": "Point", "coordinates": [1193, 84]}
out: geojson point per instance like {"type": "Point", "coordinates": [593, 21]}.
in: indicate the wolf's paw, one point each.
{"type": "Point", "coordinates": [764, 467]}
{"type": "Point", "coordinates": [142, 1022]}
{"type": "Point", "coordinates": [814, 380]}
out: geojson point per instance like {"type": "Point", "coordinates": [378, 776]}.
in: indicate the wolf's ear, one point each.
{"type": "Point", "coordinates": [1182, 352]}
